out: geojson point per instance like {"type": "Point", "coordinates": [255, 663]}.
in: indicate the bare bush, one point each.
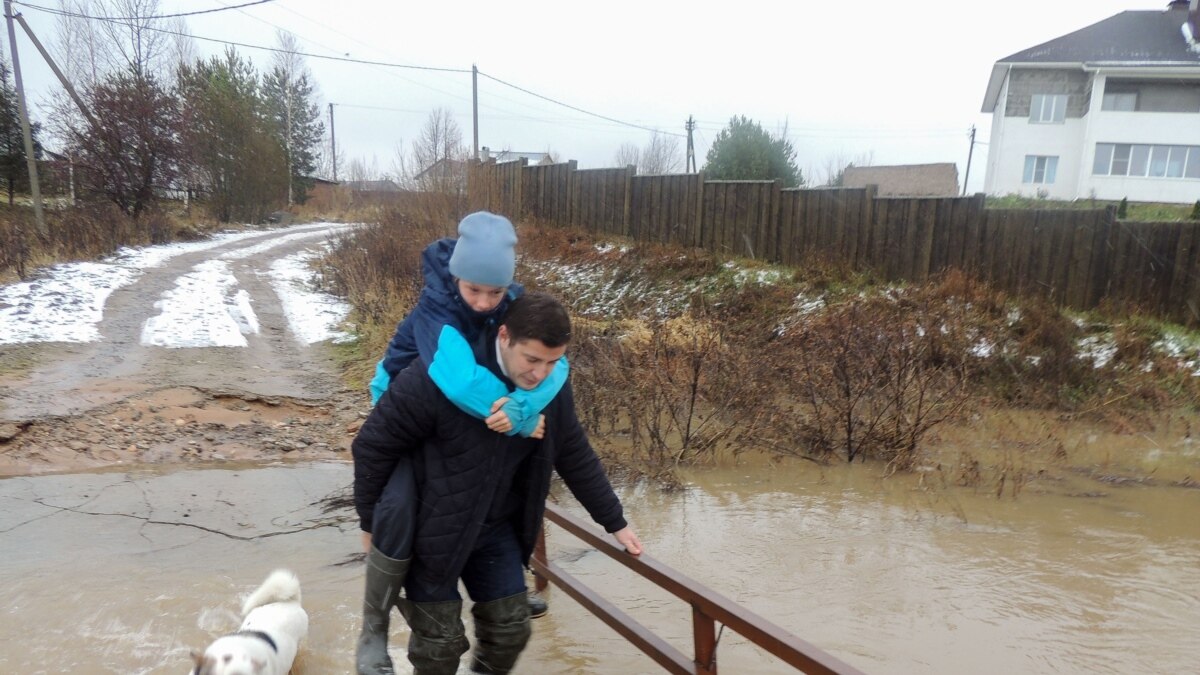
{"type": "Point", "coordinates": [875, 376]}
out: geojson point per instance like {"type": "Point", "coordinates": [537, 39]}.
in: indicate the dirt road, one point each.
{"type": "Point", "coordinates": [66, 406]}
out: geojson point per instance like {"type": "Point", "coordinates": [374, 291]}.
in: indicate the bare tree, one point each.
{"type": "Point", "coordinates": [835, 167]}
{"type": "Point", "coordinates": [661, 155]}
{"type": "Point", "coordinates": [627, 155]}
{"type": "Point", "coordinates": [360, 170]}
{"type": "Point", "coordinates": [439, 154]}
{"type": "Point", "coordinates": [182, 49]}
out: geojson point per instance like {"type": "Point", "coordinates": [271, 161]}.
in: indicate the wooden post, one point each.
{"type": "Point", "coordinates": [35, 188]}
{"type": "Point", "coordinates": [625, 225]}
{"type": "Point", "coordinates": [704, 637]}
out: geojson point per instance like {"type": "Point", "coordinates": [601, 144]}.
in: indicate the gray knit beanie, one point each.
{"type": "Point", "coordinates": [484, 252]}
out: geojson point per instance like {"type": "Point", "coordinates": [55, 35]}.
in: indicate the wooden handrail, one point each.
{"type": "Point", "coordinates": [708, 607]}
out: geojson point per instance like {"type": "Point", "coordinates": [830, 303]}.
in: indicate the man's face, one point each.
{"type": "Point", "coordinates": [528, 362]}
{"type": "Point", "coordinates": [480, 297]}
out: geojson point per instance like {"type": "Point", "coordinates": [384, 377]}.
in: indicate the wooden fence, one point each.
{"type": "Point", "coordinates": [1076, 258]}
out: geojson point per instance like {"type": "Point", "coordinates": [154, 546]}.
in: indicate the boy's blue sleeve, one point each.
{"type": "Point", "coordinates": [525, 405]}
{"type": "Point", "coordinates": [380, 382]}
{"type": "Point", "coordinates": [467, 384]}
{"type": "Point", "coordinates": [474, 388]}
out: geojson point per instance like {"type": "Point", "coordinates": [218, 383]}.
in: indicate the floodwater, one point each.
{"type": "Point", "coordinates": [125, 572]}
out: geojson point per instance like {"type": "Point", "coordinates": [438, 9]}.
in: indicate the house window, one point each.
{"type": "Point", "coordinates": [1040, 169]}
{"type": "Point", "coordinates": [1142, 160]}
{"type": "Point", "coordinates": [1048, 108]}
{"type": "Point", "coordinates": [1119, 101]}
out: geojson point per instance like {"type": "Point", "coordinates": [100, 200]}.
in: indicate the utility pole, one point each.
{"type": "Point", "coordinates": [969, 153]}
{"type": "Point", "coordinates": [691, 149]}
{"type": "Point", "coordinates": [475, 107]}
{"type": "Point", "coordinates": [332, 144]}
{"type": "Point", "coordinates": [35, 189]}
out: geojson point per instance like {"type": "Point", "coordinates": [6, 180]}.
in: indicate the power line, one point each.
{"type": "Point", "coordinates": [149, 18]}
{"type": "Point", "coordinates": [344, 59]}
{"type": "Point", "coordinates": [577, 109]}
{"type": "Point", "coordinates": [341, 59]}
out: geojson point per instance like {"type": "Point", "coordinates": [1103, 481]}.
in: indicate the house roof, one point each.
{"type": "Point", "coordinates": [373, 186]}
{"type": "Point", "coordinates": [452, 165]}
{"type": "Point", "coordinates": [512, 155]}
{"type": "Point", "coordinates": [1136, 38]}
{"type": "Point", "coordinates": [906, 180]}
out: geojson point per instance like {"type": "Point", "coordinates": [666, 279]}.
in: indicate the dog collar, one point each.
{"type": "Point", "coordinates": [260, 635]}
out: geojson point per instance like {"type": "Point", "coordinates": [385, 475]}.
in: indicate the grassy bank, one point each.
{"type": "Point", "coordinates": [685, 357]}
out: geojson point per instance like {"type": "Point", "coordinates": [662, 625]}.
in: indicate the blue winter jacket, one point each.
{"type": "Point", "coordinates": [440, 331]}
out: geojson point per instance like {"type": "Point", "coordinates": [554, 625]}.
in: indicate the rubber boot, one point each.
{"type": "Point", "coordinates": [385, 580]}
{"type": "Point", "coordinates": [438, 639]}
{"type": "Point", "coordinates": [501, 632]}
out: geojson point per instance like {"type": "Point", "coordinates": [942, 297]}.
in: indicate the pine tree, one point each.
{"type": "Point", "coordinates": [14, 170]}
{"type": "Point", "coordinates": [291, 105]}
{"type": "Point", "coordinates": [745, 151]}
{"type": "Point", "coordinates": [296, 118]}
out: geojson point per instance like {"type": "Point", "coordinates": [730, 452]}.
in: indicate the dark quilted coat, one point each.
{"type": "Point", "coordinates": [456, 461]}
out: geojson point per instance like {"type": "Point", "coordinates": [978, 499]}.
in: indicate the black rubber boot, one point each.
{"type": "Point", "coordinates": [501, 632]}
{"type": "Point", "coordinates": [438, 638]}
{"type": "Point", "coordinates": [385, 580]}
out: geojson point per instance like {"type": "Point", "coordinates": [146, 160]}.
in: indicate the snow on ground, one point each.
{"type": "Point", "coordinates": [62, 306]}
{"type": "Point", "coordinates": [311, 315]}
{"type": "Point", "coordinates": [205, 309]}
{"type": "Point", "coordinates": [66, 301]}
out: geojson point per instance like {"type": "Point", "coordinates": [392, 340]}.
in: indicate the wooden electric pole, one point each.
{"type": "Point", "coordinates": [970, 152]}
{"type": "Point", "coordinates": [332, 144]}
{"type": "Point", "coordinates": [691, 148]}
{"type": "Point", "coordinates": [35, 189]}
{"type": "Point", "coordinates": [475, 107]}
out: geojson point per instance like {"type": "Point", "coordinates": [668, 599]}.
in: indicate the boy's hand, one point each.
{"type": "Point", "coordinates": [540, 432]}
{"type": "Point", "coordinates": [498, 421]}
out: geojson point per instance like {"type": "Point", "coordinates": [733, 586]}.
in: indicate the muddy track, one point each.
{"type": "Point", "coordinates": [65, 406]}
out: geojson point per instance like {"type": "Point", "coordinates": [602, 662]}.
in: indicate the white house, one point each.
{"type": "Point", "coordinates": [1110, 111]}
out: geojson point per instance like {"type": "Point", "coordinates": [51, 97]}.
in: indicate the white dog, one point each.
{"type": "Point", "coordinates": [266, 644]}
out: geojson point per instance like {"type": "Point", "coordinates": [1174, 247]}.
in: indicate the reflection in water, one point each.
{"type": "Point", "coordinates": [125, 572]}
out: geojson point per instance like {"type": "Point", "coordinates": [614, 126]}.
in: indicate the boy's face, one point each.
{"type": "Point", "coordinates": [528, 362]}
{"type": "Point", "coordinates": [480, 297]}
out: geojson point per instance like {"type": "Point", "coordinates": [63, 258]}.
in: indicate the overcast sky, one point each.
{"type": "Point", "coordinates": [898, 82]}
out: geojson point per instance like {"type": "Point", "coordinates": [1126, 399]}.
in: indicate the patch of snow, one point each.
{"type": "Point", "coordinates": [983, 348]}
{"type": "Point", "coordinates": [274, 242]}
{"type": "Point", "coordinates": [806, 305]}
{"type": "Point", "coordinates": [1100, 350]}
{"type": "Point", "coordinates": [157, 256]}
{"type": "Point", "coordinates": [63, 304]}
{"type": "Point", "coordinates": [312, 316]}
{"type": "Point", "coordinates": [203, 310]}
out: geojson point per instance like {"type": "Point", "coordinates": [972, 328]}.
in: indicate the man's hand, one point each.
{"type": "Point", "coordinates": [626, 537]}
{"type": "Point", "coordinates": [540, 432]}
{"type": "Point", "coordinates": [498, 421]}
{"type": "Point", "coordinates": [366, 539]}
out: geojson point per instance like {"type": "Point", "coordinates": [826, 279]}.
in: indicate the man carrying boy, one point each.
{"type": "Point", "coordinates": [468, 285]}
{"type": "Point", "coordinates": [481, 494]}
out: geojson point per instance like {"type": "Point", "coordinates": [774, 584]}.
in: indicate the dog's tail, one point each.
{"type": "Point", "coordinates": [280, 586]}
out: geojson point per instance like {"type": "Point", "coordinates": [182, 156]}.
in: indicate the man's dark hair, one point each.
{"type": "Point", "coordinates": [538, 316]}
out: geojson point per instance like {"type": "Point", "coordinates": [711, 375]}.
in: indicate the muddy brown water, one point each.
{"type": "Point", "coordinates": [126, 571]}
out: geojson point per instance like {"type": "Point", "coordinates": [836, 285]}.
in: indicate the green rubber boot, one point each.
{"type": "Point", "coordinates": [385, 581]}
{"type": "Point", "coordinates": [501, 632]}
